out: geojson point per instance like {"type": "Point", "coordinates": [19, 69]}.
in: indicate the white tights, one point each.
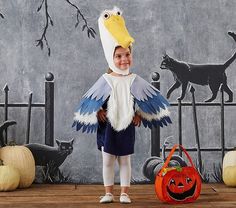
{"type": "Point", "coordinates": [108, 169]}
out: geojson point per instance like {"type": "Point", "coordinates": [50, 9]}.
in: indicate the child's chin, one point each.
{"type": "Point", "coordinates": [124, 67]}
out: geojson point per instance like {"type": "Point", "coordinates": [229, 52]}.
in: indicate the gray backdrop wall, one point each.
{"type": "Point", "coordinates": [189, 30]}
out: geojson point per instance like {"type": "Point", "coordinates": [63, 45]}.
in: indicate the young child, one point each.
{"type": "Point", "coordinates": [118, 102]}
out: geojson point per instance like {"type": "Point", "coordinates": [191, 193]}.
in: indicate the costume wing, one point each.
{"type": "Point", "coordinates": [86, 114]}
{"type": "Point", "coordinates": [152, 105]}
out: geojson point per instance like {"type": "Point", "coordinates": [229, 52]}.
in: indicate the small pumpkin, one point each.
{"type": "Point", "coordinates": [178, 184]}
{"type": "Point", "coordinates": [9, 177]}
{"type": "Point", "coordinates": [22, 159]}
{"type": "Point", "coordinates": [229, 176]}
{"type": "Point", "coordinates": [229, 168]}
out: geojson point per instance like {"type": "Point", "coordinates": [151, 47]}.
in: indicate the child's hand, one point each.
{"type": "Point", "coordinates": [102, 115]}
{"type": "Point", "coordinates": [137, 120]}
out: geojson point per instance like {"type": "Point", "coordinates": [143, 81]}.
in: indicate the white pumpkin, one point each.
{"type": "Point", "coordinates": [229, 168]}
{"type": "Point", "coordinates": [229, 176]}
{"type": "Point", "coordinates": [9, 178]}
{"type": "Point", "coordinates": [22, 159]}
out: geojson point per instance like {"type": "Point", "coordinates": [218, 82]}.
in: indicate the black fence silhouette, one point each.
{"type": "Point", "coordinates": [155, 132]}
{"type": "Point", "coordinates": [48, 105]}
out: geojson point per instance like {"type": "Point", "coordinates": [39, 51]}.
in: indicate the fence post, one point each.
{"type": "Point", "coordinates": [192, 90]}
{"type": "Point", "coordinates": [155, 132]}
{"type": "Point", "coordinates": [29, 118]}
{"type": "Point", "coordinates": [222, 123]}
{"type": "Point", "coordinates": [49, 109]}
{"type": "Point", "coordinates": [180, 125]}
{"type": "Point", "coordinates": [6, 90]}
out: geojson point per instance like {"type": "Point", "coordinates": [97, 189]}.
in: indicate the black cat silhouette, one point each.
{"type": "Point", "coordinates": [51, 157]}
{"type": "Point", "coordinates": [201, 74]}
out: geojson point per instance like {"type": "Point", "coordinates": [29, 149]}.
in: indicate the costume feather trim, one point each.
{"type": "Point", "coordinates": [120, 106]}
{"type": "Point", "coordinates": [85, 117]}
{"type": "Point", "coordinates": [153, 107]}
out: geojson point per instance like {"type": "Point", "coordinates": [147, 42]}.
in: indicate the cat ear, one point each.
{"type": "Point", "coordinates": [168, 57]}
{"type": "Point", "coordinates": [58, 142]}
{"type": "Point", "coordinates": [72, 141]}
{"type": "Point", "coordinates": [165, 54]}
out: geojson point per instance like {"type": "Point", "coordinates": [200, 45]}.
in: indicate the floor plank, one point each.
{"type": "Point", "coordinates": [72, 195]}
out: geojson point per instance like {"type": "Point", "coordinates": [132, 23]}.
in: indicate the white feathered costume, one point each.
{"type": "Point", "coordinates": [121, 93]}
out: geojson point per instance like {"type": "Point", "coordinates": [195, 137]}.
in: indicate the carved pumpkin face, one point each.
{"type": "Point", "coordinates": [178, 185]}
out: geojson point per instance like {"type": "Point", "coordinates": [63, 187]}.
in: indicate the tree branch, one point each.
{"type": "Point", "coordinates": [1, 15]}
{"type": "Point", "coordinates": [90, 30]}
{"type": "Point", "coordinates": [48, 18]}
{"type": "Point", "coordinates": [43, 40]}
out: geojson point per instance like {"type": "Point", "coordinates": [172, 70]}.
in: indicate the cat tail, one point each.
{"type": "Point", "coordinates": [232, 34]}
{"type": "Point", "coordinates": [3, 127]}
{"type": "Point", "coordinates": [230, 61]}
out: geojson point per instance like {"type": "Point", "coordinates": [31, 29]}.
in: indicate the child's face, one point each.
{"type": "Point", "coordinates": [122, 58]}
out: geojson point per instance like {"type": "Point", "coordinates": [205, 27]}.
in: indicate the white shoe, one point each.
{"type": "Point", "coordinates": [124, 198]}
{"type": "Point", "coordinates": [108, 198]}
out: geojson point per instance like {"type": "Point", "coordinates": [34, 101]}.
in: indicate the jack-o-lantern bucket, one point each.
{"type": "Point", "coordinates": [178, 185]}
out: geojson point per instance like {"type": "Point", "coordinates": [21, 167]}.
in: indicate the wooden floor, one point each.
{"type": "Point", "coordinates": [48, 196]}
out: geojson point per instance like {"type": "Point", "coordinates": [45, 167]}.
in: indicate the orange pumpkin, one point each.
{"type": "Point", "coordinates": [178, 184]}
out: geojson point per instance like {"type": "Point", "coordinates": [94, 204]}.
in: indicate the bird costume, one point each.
{"type": "Point", "coordinates": [121, 96]}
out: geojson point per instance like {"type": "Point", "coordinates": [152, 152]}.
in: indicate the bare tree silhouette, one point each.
{"type": "Point", "coordinates": [48, 18]}
{"type": "Point", "coordinates": [90, 30]}
{"type": "Point", "coordinates": [40, 42]}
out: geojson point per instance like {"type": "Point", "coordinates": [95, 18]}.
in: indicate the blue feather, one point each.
{"type": "Point", "coordinates": [74, 123]}
{"type": "Point", "coordinates": [145, 106]}
{"type": "Point", "coordinates": [90, 105]}
{"type": "Point", "coordinates": [84, 128]}
{"type": "Point", "coordinates": [149, 125]}
{"type": "Point", "coordinates": [89, 128]}
{"type": "Point", "coordinates": [95, 126]}
{"type": "Point", "coordinates": [78, 126]}
{"type": "Point", "coordinates": [156, 104]}
{"type": "Point", "coordinates": [152, 105]}
{"type": "Point", "coordinates": [163, 121]}
{"type": "Point", "coordinates": [145, 123]}
{"type": "Point", "coordinates": [159, 123]}
{"type": "Point", "coordinates": [167, 118]}
{"type": "Point", "coordinates": [158, 99]}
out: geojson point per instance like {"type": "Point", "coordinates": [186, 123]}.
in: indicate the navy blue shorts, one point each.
{"type": "Point", "coordinates": [117, 143]}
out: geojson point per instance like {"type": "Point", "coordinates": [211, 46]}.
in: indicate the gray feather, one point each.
{"type": "Point", "coordinates": [141, 89]}
{"type": "Point", "coordinates": [100, 89]}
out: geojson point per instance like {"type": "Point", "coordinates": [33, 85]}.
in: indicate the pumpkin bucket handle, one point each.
{"type": "Point", "coordinates": [170, 155]}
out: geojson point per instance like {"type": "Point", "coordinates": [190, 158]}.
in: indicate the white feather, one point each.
{"type": "Point", "coordinates": [149, 117]}
{"type": "Point", "coordinates": [120, 111]}
{"type": "Point", "coordinates": [87, 118]}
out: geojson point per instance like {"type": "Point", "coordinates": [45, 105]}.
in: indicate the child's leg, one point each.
{"type": "Point", "coordinates": [108, 171]}
{"type": "Point", "coordinates": [125, 172]}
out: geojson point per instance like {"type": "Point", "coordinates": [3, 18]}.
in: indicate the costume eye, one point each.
{"type": "Point", "coordinates": [106, 15]}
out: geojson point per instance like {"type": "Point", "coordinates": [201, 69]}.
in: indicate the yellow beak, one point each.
{"type": "Point", "coordinates": [116, 26]}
